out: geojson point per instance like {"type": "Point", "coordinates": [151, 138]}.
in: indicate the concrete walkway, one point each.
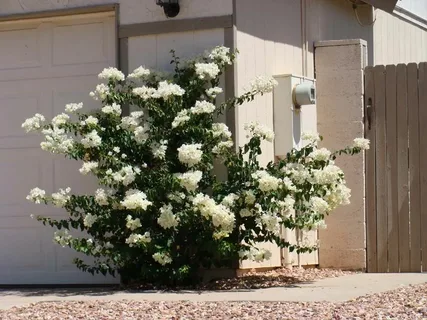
{"type": "Point", "coordinates": [333, 289]}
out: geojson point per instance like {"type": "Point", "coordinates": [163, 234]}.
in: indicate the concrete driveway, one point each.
{"type": "Point", "coordinates": [333, 289]}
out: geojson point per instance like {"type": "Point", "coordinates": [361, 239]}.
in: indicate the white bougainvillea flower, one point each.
{"type": "Point", "coordinates": [260, 131]}
{"type": "Point", "coordinates": [158, 149]}
{"type": "Point", "coordinates": [33, 124]}
{"type": "Point", "coordinates": [91, 140]}
{"type": "Point", "coordinates": [361, 143]}
{"type": "Point", "coordinates": [162, 258]}
{"type": "Point", "coordinates": [221, 130]}
{"type": "Point", "coordinates": [167, 218]}
{"type": "Point", "coordinates": [56, 141]}
{"type": "Point", "coordinates": [114, 109]}
{"type": "Point", "coordinates": [202, 107]}
{"type": "Point", "coordinates": [60, 119]}
{"type": "Point", "coordinates": [146, 93]}
{"type": "Point", "coordinates": [133, 224]}
{"type": "Point", "coordinates": [266, 181]}
{"type": "Point", "coordinates": [207, 70]}
{"type": "Point", "coordinates": [88, 167]}
{"type": "Point", "coordinates": [61, 198]}
{"type": "Point", "coordinates": [73, 107]}
{"type": "Point", "coordinates": [190, 180]}
{"type": "Point", "coordinates": [167, 90]}
{"type": "Point", "coordinates": [322, 154]}
{"type": "Point", "coordinates": [89, 220]}
{"type": "Point", "coordinates": [111, 73]}
{"type": "Point", "coordinates": [263, 84]}
{"type": "Point", "coordinates": [190, 154]}
{"type": "Point", "coordinates": [213, 92]}
{"type": "Point", "coordinates": [135, 199]}
{"type": "Point", "coordinates": [138, 73]}
{"type": "Point", "coordinates": [136, 239]}
{"type": "Point", "coordinates": [220, 54]}
{"type": "Point", "coordinates": [37, 195]}
{"type": "Point", "coordinates": [101, 197]}
{"type": "Point", "coordinates": [311, 137]}
{"type": "Point", "coordinates": [62, 237]}
{"type": "Point", "coordinates": [181, 118]}
{"type": "Point", "coordinates": [91, 120]}
{"type": "Point", "coordinates": [101, 92]}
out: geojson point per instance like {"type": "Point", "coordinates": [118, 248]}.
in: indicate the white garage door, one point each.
{"type": "Point", "coordinates": [44, 64]}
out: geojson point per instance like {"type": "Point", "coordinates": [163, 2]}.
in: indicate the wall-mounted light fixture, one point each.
{"type": "Point", "coordinates": [170, 7]}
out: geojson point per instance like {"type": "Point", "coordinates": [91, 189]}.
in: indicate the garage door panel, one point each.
{"type": "Point", "coordinates": [23, 169]}
{"type": "Point", "coordinates": [22, 252]}
{"type": "Point", "coordinates": [44, 65]}
{"type": "Point", "coordinates": [22, 49]}
{"type": "Point", "coordinates": [77, 44]}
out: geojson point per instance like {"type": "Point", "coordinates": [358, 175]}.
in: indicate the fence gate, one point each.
{"type": "Point", "coordinates": [396, 168]}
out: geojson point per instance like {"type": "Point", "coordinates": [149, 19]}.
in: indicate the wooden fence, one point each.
{"type": "Point", "coordinates": [396, 174]}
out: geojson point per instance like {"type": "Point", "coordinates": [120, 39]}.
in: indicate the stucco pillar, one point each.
{"type": "Point", "coordinates": [339, 75]}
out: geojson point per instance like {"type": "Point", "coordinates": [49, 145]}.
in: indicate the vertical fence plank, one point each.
{"type": "Point", "coordinates": [381, 174]}
{"type": "Point", "coordinates": [402, 163]}
{"type": "Point", "coordinates": [371, 212]}
{"type": "Point", "coordinates": [392, 211]}
{"type": "Point", "coordinates": [414, 169]}
{"type": "Point", "coordinates": [423, 158]}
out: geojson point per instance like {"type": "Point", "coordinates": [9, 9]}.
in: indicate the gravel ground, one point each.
{"type": "Point", "coordinates": [403, 303]}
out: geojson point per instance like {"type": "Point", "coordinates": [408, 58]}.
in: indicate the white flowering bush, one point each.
{"type": "Point", "coordinates": [160, 214]}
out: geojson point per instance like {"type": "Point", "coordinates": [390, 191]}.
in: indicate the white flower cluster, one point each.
{"type": "Point", "coordinates": [101, 92]}
{"type": "Point", "coordinates": [177, 196]}
{"type": "Point", "coordinates": [62, 237]}
{"type": "Point", "coordinates": [361, 143]}
{"type": "Point", "coordinates": [229, 200]}
{"type": "Point", "coordinates": [91, 140]}
{"type": "Point", "coordinates": [60, 119]}
{"type": "Point", "coordinates": [339, 195]}
{"type": "Point", "coordinates": [318, 205]}
{"type": "Point", "coordinates": [57, 141]}
{"type": "Point", "coordinates": [114, 109]}
{"type": "Point", "coordinates": [190, 154]}
{"type": "Point", "coordinates": [162, 258]}
{"type": "Point", "coordinates": [289, 185]}
{"type": "Point", "coordinates": [287, 206]}
{"type": "Point", "coordinates": [33, 124]}
{"type": "Point", "coordinates": [36, 195]}
{"type": "Point", "coordinates": [298, 172]}
{"type": "Point", "coordinates": [328, 175]}
{"type": "Point", "coordinates": [262, 84]}
{"type": "Point", "coordinates": [221, 216]}
{"type": "Point", "coordinates": [202, 107]}
{"type": "Point", "coordinates": [266, 181]}
{"type": "Point", "coordinates": [190, 180]}
{"type": "Point", "coordinates": [159, 149]}
{"type": "Point", "coordinates": [89, 121]}
{"type": "Point", "coordinates": [146, 93]}
{"type": "Point", "coordinates": [249, 197]}
{"type": "Point", "coordinates": [111, 73]}
{"type": "Point", "coordinates": [271, 222]}
{"type": "Point", "coordinates": [73, 107]}
{"type": "Point", "coordinates": [166, 90]}
{"type": "Point", "coordinates": [206, 70]}
{"type": "Point", "coordinates": [260, 131]}
{"type": "Point", "coordinates": [88, 167]}
{"type": "Point", "coordinates": [245, 213]}
{"type": "Point", "coordinates": [213, 92]}
{"type": "Point", "coordinates": [136, 239]}
{"type": "Point", "coordinates": [135, 199]}
{"type": "Point", "coordinates": [101, 197]}
{"type": "Point", "coordinates": [167, 218]}
{"type": "Point", "coordinates": [310, 137]}
{"type": "Point", "coordinates": [61, 197]}
{"type": "Point", "coordinates": [255, 254]}
{"type": "Point", "coordinates": [142, 133]}
{"type": "Point", "coordinates": [221, 54]}
{"type": "Point", "coordinates": [132, 121]}
{"type": "Point", "coordinates": [181, 118]}
{"type": "Point", "coordinates": [89, 220]}
{"type": "Point", "coordinates": [133, 224]}
{"type": "Point", "coordinates": [138, 73]}
{"type": "Point", "coordinates": [222, 147]}
{"type": "Point", "coordinates": [126, 175]}
{"type": "Point", "coordinates": [220, 130]}
{"type": "Point", "coordinates": [322, 154]}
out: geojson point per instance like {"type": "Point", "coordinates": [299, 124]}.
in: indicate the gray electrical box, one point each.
{"type": "Point", "coordinates": [304, 94]}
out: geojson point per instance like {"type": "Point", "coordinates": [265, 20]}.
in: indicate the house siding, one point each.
{"type": "Point", "coordinates": [131, 11]}
{"type": "Point", "coordinates": [398, 41]}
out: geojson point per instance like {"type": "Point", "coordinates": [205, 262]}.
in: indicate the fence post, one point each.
{"type": "Point", "coordinates": [339, 66]}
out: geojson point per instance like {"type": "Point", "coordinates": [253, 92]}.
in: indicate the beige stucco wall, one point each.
{"type": "Point", "coordinates": [397, 40]}
{"type": "Point", "coordinates": [131, 11]}
{"type": "Point", "coordinates": [339, 69]}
